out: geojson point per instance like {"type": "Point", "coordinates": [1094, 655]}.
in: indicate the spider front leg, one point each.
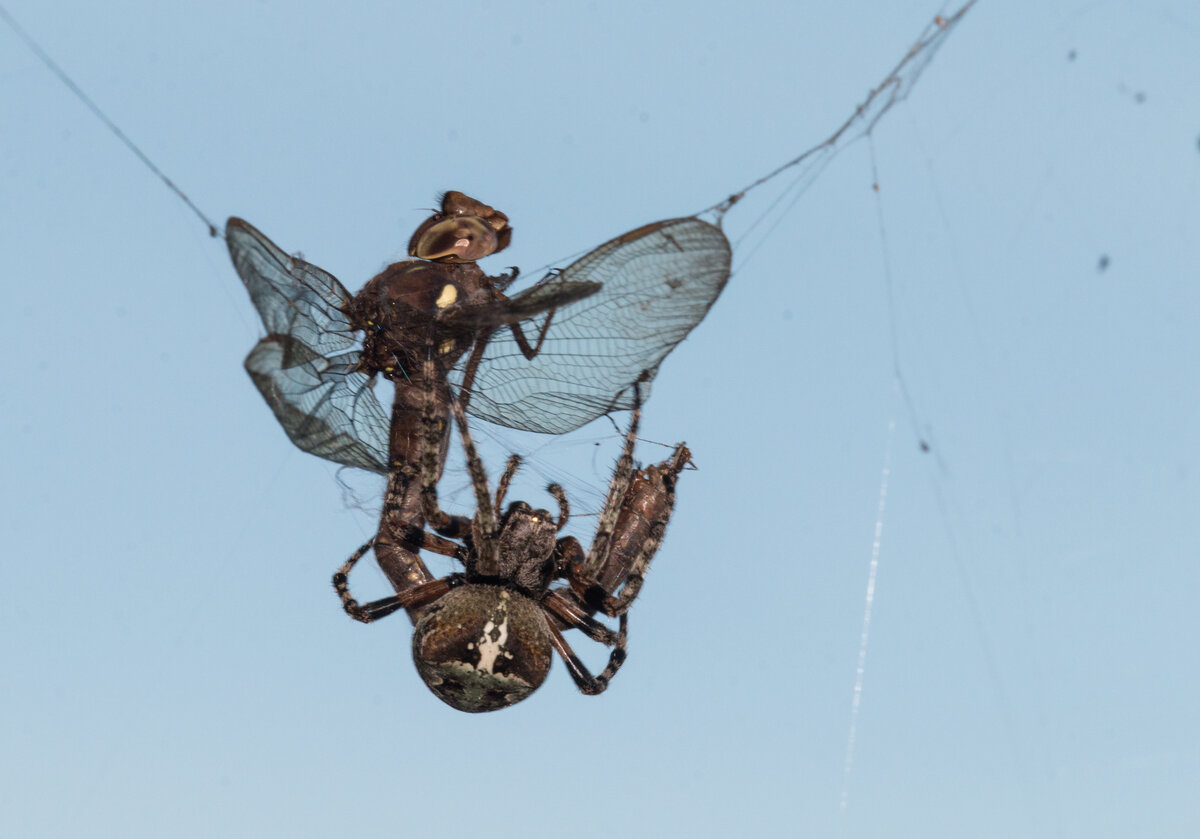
{"type": "Point", "coordinates": [483, 527]}
{"type": "Point", "coordinates": [514, 463]}
{"type": "Point", "coordinates": [564, 508]}
{"type": "Point", "coordinates": [432, 432]}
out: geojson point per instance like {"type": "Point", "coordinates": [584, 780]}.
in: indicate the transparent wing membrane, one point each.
{"type": "Point", "coordinates": [305, 367]}
{"type": "Point", "coordinates": [657, 282]}
{"type": "Point", "coordinates": [324, 404]}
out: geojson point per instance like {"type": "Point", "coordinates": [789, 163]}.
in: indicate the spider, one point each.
{"type": "Point", "coordinates": [485, 636]}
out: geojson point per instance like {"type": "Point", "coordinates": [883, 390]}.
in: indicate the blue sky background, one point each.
{"type": "Point", "coordinates": [174, 660]}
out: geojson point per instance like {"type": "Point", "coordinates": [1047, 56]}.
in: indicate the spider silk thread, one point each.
{"type": "Point", "coordinates": [872, 573]}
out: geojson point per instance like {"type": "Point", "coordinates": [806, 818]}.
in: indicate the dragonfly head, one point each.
{"type": "Point", "coordinates": [465, 230]}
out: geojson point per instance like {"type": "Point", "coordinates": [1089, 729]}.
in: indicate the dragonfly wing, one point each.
{"type": "Point", "coordinates": [326, 406]}
{"type": "Point", "coordinates": [307, 365]}
{"type": "Point", "coordinates": [293, 297]}
{"type": "Point", "coordinates": [658, 282]}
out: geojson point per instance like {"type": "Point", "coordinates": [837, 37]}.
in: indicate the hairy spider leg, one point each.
{"type": "Point", "coordinates": [484, 526]}
{"type": "Point", "coordinates": [564, 508]}
{"type": "Point", "coordinates": [602, 542]}
{"type": "Point", "coordinates": [587, 573]}
{"type": "Point", "coordinates": [514, 463]}
{"type": "Point", "coordinates": [413, 598]}
{"type": "Point", "coordinates": [587, 683]}
{"type": "Point", "coordinates": [573, 616]}
{"type": "Point", "coordinates": [619, 604]}
{"type": "Point", "coordinates": [432, 431]}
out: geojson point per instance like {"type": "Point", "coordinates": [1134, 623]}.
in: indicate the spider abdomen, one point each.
{"type": "Point", "coordinates": [482, 647]}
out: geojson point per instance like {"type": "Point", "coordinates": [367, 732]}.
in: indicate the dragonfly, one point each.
{"type": "Point", "coordinates": [551, 358]}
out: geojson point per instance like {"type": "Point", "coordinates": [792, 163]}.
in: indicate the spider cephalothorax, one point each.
{"type": "Point", "coordinates": [485, 637]}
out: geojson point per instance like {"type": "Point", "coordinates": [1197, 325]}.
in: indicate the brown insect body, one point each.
{"type": "Point", "coordinates": [407, 301]}
{"type": "Point", "coordinates": [478, 645]}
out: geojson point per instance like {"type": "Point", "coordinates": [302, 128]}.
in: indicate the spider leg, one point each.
{"type": "Point", "coordinates": [602, 542]}
{"type": "Point", "coordinates": [412, 598]}
{"type": "Point", "coordinates": [564, 509]}
{"type": "Point", "coordinates": [587, 683]}
{"type": "Point", "coordinates": [619, 605]}
{"type": "Point", "coordinates": [568, 554]}
{"type": "Point", "coordinates": [574, 616]}
{"type": "Point", "coordinates": [341, 579]}
{"type": "Point", "coordinates": [415, 538]}
{"type": "Point", "coordinates": [431, 436]}
{"type": "Point", "coordinates": [639, 530]}
{"type": "Point", "coordinates": [514, 463]}
{"type": "Point", "coordinates": [667, 472]}
{"type": "Point", "coordinates": [485, 513]}
{"type": "Point", "coordinates": [487, 563]}
{"type": "Point", "coordinates": [412, 537]}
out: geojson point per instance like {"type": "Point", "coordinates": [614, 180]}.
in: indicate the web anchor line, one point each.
{"type": "Point", "coordinates": [894, 88]}
{"type": "Point", "coordinates": [213, 229]}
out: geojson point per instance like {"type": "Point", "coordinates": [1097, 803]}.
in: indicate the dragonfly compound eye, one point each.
{"type": "Point", "coordinates": [457, 239]}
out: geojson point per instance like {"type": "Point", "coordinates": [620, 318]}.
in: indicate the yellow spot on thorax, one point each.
{"type": "Point", "coordinates": [447, 297]}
